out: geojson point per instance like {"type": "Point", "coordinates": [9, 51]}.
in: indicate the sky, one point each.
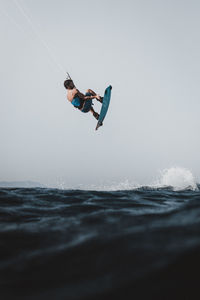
{"type": "Point", "coordinates": [148, 50]}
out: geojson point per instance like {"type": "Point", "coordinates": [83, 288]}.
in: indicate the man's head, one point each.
{"type": "Point", "coordinates": [68, 84]}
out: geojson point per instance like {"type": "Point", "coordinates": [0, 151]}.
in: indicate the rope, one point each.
{"type": "Point", "coordinates": [3, 12]}
{"type": "Point", "coordinates": [46, 46]}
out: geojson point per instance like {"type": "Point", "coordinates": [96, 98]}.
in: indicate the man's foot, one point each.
{"type": "Point", "coordinates": [96, 115]}
{"type": "Point", "coordinates": [99, 98]}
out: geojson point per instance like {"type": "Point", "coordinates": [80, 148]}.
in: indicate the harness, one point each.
{"type": "Point", "coordinates": [83, 105]}
{"type": "Point", "coordinates": [77, 102]}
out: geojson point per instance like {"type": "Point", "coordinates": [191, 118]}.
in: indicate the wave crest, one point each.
{"type": "Point", "coordinates": [178, 178]}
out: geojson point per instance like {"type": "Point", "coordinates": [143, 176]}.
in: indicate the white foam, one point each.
{"type": "Point", "coordinates": [175, 177]}
{"type": "Point", "coordinates": [178, 178]}
{"type": "Point", "coordinates": [112, 186]}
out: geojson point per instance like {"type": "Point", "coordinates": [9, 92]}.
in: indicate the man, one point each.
{"type": "Point", "coordinates": [81, 101]}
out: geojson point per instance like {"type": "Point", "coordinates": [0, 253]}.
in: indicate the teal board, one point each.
{"type": "Point", "coordinates": [105, 105]}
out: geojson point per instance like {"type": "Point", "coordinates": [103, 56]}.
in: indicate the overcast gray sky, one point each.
{"type": "Point", "coordinates": [148, 50]}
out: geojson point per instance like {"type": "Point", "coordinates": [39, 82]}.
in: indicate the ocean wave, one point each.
{"type": "Point", "coordinates": [175, 178]}
{"type": "Point", "coordinates": [80, 244]}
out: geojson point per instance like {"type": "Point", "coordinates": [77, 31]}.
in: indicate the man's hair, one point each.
{"type": "Point", "coordinates": [67, 83]}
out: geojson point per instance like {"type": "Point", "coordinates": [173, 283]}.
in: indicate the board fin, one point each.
{"type": "Point", "coordinates": [98, 125]}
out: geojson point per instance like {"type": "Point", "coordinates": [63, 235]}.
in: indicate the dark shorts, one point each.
{"type": "Point", "coordinates": [87, 104]}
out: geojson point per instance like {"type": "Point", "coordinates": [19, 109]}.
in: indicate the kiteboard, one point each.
{"type": "Point", "coordinates": [105, 105]}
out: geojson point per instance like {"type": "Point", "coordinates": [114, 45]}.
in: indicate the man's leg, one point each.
{"type": "Point", "coordinates": [95, 114]}
{"type": "Point", "coordinates": [99, 98]}
{"type": "Point", "coordinates": [91, 92]}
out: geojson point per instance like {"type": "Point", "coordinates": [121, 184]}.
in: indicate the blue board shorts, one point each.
{"type": "Point", "coordinates": [87, 104]}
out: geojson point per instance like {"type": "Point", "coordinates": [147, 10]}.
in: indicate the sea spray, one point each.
{"type": "Point", "coordinates": [178, 178]}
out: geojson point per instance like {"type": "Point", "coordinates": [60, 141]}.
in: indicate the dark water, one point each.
{"type": "Point", "coordinates": [73, 244]}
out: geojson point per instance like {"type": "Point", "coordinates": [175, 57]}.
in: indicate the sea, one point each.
{"type": "Point", "coordinates": [131, 242]}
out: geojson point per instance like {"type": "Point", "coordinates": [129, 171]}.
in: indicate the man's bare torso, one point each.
{"type": "Point", "coordinates": [71, 94]}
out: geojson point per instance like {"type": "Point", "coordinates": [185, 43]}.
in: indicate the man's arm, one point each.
{"type": "Point", "coordinates": [82, 96]}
